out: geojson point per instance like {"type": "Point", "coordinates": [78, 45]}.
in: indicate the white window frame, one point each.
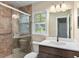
{"type": "Point", "coordinates": [46, 23]}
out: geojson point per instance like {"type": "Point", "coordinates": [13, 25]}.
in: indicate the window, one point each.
{"type": "Point", "coordinates": [24, 24]}
{"type": "Point", "coordinates": [40, 25]}
{"type": "Point", "coordinates": [40, 28]}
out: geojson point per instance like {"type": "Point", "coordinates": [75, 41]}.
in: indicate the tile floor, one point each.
{"type": "Point", "coordinates": [17, 53]}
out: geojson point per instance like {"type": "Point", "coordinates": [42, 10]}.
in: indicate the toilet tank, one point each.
{"type": "Point", "coordinates": [35, 47]}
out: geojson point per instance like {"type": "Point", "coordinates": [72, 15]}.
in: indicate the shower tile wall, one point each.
{"type": "Point", "coordinates": [5, 32]}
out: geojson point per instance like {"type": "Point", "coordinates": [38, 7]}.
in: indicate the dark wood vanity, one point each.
{"type": "Point", "coordinates": [52, 52]}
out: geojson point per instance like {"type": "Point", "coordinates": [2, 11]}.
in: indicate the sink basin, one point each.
{"type": "Point", "coordinates": [61, 44]}
{"type": "Point", "coordinates": [56, 43]}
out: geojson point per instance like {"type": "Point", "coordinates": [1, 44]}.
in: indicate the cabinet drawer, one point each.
{"type": "Point", "coordinates": [58, 51]}
{"type": "Point", "coordinates": [49, 50]}
{"type": "Point", "coordinates": [68, 53]}
{"type": "Point", "coordinates": [45, 55]}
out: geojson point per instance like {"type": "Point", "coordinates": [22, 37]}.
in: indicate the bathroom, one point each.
{"type": "Point", "coordinates": [39, 29]}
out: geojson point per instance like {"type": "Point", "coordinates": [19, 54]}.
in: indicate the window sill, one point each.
{"type": "Point", "coordinates": [45, 34]}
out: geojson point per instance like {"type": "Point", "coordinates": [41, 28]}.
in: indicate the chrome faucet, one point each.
{"type": "Point", "coordinates": [57, 39]}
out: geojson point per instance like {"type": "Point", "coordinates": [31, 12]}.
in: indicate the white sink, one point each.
{"type": "Point", "coordinates": [61, 44]}
{"type": "Point", "coordinates": [55, 42]}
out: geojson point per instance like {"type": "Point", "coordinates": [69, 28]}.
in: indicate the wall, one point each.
{"type": "Point", "coordinates": [38, 7]}
{"type": "Point", "coordinates": [38, 37]}
{"type": "Point", "coordinates": [47, 4]}
{"type": "Point", "coordinates": [77, 33]}
{"type": "Point", "coordinates": [76, 13]}
{"type": "Point", "coordinates": [52, 19]}
{"type": "Point", "coordinates": [27, 9]}
{"type": "Point", "coordinates": [5, 32]}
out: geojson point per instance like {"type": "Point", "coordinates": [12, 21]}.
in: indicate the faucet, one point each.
{"type": "Point", "coordinates": [57, 39]}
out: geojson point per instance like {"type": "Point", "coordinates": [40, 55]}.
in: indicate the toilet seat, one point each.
{"type": "Point", "coordinates": [31, 55]}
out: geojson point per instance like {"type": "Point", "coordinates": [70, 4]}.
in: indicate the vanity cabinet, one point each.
{"type": "Point", "coordinates": [52, 52]}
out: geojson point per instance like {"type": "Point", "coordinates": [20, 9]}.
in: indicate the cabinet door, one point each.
{"type": "Point", "coordinates": [46, 55]}
{"type": "Point", "coordinates": [43, 55]}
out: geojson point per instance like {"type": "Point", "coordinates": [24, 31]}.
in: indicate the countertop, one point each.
{"type": "Point", "coordinates": [68, 45]}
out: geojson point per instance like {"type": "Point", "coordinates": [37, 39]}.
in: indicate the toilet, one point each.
{"type": "Point", "coordinates": [35, 51]}
{"type": "Point", "coordinates": [31, 55]}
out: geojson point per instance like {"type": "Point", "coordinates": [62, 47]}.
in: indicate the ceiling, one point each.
{"type": "Point", "coordinates": [19, 3]}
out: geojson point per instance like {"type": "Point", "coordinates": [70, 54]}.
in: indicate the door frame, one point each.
{"type": "Point", "coordinates": [67, 24]}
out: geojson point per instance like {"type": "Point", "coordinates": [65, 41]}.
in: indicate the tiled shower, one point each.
{"type": "Point", "coordinates": [16, 41]}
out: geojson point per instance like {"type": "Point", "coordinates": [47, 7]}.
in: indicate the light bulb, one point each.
{"type": "Point", "coordinates": [64, 7]}
{"type": "Point", "coordinates": [58, 8]}
{"type": "Point", "coordinates": [52, 9]}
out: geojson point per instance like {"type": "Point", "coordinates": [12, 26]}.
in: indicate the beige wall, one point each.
{"type": "Point", "coordinates": [52, 21]}
{"type": "Point", "coordinates": [47, 4]}
{"type": "Point", "coordinates": [38, 38]}
{"type": "Point", "coordinates": [76, 30]}
{"type": "Point", "coordinates": [77, 33]}
{"type": "Point", "coordinates": [52, 18]}
{"type": "Point", "coordinates": [40, 6]}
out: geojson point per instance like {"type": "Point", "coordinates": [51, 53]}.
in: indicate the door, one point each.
{"type": "Point", "coordinates": [62, 27]}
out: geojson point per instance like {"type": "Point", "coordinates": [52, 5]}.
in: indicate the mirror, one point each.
{"type": "Point", "coordinates": [61, 24]}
